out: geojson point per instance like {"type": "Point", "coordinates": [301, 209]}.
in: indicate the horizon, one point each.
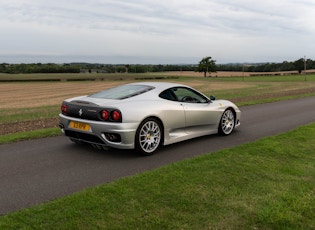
{"type": "Point", "coordinates": [115, 60]}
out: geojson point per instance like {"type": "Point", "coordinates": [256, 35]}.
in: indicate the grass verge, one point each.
{"type": "Point", "coordinates": [31, 113]}
{"type": "Point", "coordinates": [268, 184]}
{"type": "Point", "coordinates": [10, 138]}
{"type": "Point", "coordinates": [274, 99]}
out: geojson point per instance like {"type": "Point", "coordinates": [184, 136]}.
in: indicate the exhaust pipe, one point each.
{"type": "Point", "coordinates": [61, 126]}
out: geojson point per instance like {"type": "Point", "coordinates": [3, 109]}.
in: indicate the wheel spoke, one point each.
{"type": "Point", "coordinates": [227, 122]}
{"type": "Point", "coordinates": [149, 136]}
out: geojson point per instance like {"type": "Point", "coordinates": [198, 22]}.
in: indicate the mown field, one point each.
{"type": "Point", "coordinates": [268, 184]}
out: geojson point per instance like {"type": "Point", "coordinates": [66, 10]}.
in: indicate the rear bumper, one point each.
{"type": "Point", "coordinates": [109, 134]}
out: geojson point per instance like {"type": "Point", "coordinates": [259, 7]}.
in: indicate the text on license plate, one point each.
{"type": "Point", "coordinates": [79, 125]}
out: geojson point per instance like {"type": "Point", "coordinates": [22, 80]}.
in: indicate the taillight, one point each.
{"type": "Point", "coordinates": [111, 115]}
{"type": "Point", "coordinates": [105, 115]}
{"type": "Point", "coordinates": [64, 109]}
{"type": "Point", "coordinates": [116, 115]}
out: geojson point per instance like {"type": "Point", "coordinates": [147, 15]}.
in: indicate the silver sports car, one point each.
{"type": "Point", "coordinates": [145, 115]}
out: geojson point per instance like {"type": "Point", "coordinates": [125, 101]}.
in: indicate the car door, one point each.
{"type": "Point", "coordinates": [199, 112]}
{"type": "Point", "coordinates": [174, 117]}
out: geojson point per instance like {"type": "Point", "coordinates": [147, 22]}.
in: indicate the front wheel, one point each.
{"type": "Point", "coordinates": [227, 122]}
{"type": "Point", "coordinates": [148, 136]}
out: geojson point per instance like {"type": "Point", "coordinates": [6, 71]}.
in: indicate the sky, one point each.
{"type": "Point", "coordinates": [157, 31]}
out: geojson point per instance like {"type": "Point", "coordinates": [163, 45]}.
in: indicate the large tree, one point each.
{"type": "Point", "coordinates": [207, 65]}
{"type": "Point", "coordinates": [299, 64]}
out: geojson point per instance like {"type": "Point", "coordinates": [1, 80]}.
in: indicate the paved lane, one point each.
{"type": "Point", "coordinates": [32, 172]}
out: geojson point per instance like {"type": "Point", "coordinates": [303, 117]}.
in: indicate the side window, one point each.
{"type": "Point", "coordinates": [189, 96]}
{"type": "Point", "coordinates": [168, 95]}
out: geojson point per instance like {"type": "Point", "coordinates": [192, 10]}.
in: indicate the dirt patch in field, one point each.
{"type": "Point", "coordinates": [25, 126]}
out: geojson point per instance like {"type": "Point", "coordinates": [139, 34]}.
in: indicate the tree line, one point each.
{"type": "Point", "coordinates": [89, 68]}
{"type": "Point", "coordinates": [297, 65]}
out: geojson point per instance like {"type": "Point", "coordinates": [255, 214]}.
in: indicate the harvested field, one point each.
{"type": "Point", "coordinates": [32, 96]}
{"type": "Point", "coordinates": [26, 106]}
{"type": "Point", "coordinates": [25, 95]}
{"type": "Point", "coordinates": [28, 94]}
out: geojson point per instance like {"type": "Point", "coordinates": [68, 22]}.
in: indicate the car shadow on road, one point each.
{"type": "Point", "coordinates": [89, 150]}
{"type": "Point", "coordinates": [180, 150]}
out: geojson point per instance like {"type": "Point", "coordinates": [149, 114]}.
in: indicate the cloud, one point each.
{"type": "Point", "coordinates": [230, 30]}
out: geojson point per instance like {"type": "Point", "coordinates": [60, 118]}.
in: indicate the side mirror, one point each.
{"type": "Point", "coordinates": [212, 98]}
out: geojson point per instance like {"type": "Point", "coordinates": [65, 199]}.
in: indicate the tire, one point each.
{"type": "Point", "coordinates": [227, 122]}
{"type": "Point", "coordinates": [148, 136]}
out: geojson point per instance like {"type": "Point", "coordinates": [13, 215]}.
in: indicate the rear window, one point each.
{"type": "Point", "coordinates": [122, 92]}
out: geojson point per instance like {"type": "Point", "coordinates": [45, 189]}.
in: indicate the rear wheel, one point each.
{"type": "Point", "coordinates": [227, 122]}
{"type": "Point", "coordinates": [148, 136]}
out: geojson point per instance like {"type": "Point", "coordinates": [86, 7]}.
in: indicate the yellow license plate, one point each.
{"type": "Point", "coordinates": [79, 125]}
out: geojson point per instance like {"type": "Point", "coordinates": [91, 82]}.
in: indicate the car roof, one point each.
{"type": "Point", "coordinates": [160, 86]}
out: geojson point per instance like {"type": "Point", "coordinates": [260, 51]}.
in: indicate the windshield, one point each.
{"type": "Point", "coordinates": [122, 92]}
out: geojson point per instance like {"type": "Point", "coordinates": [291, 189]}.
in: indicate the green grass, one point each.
{"type": "Point", "coordinates": [264, 89]}
{"type": "Point", "coordinates": [285, 78]}
{"type": "Point", "coordinates": [26, 114]}
{"type": "Point", "coordinates": [274, 99]}
{"type": "Point", "coordinates": [268, 184]}
{"type": "Point", "coordinates": [48, 132]}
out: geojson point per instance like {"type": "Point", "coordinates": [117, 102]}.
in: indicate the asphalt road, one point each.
{"type": "Point", "coordinates": [37, 171]}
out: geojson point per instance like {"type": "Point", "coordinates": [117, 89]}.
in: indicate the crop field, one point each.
{"type": "Point", "coordinates": [30, 105]}
{"type": "Point", "coordinates": [27, 95]}
{"type": "Point", "coordinates": [36, 94]}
